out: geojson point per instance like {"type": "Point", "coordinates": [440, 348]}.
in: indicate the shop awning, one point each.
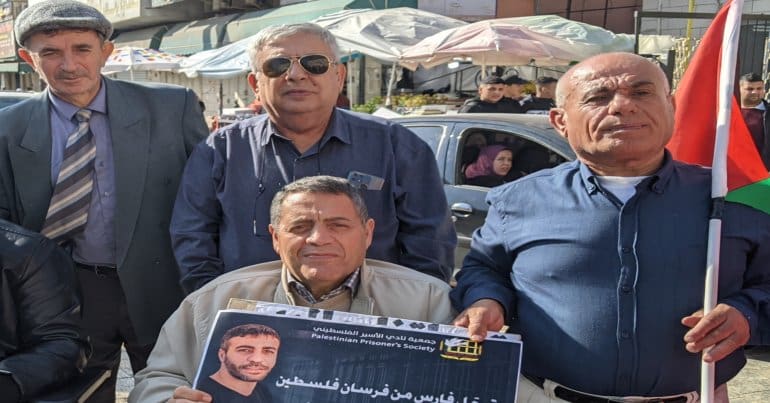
{"type": "Point", "coordinates": [190, 37]}
{"type": "Point", "coordinates": [250, 23]}
{"type": "Point", "coordinates": [145, 38]}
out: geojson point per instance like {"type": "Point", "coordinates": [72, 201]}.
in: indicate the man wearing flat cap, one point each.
{"type": "Point", "coordinates": [94, 164]}
{"type": "Point", "coordinates": [490, 93]}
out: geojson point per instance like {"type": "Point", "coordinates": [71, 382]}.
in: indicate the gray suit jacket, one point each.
{"type": "Point", "coordinates": [154, 129]}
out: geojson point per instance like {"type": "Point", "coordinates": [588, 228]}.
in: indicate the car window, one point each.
{"type": "Point", "coordinates": [528, 156]}
{"type": "Point", "coordinates": [429, 134]}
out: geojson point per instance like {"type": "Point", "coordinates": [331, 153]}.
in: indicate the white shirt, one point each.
{"type": "Point", "coordinates": [623, 187]}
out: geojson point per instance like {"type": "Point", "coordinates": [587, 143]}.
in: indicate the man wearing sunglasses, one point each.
{"type": "Point", "coordinates": [222, 209]}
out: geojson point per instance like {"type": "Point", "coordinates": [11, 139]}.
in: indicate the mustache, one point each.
{"type": "Point", "coordinates": [257, 366]}
{"type": "Point", "coordinates": [63, 75]}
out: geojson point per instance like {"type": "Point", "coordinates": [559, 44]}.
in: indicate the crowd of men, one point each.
{"type": "Point", "coordinates": [506, 95]}
{"type": "Point", "coordinates": [125, 224]}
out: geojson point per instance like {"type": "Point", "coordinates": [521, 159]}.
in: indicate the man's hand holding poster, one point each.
{"type": "Point", "coordinates": [280, 353]}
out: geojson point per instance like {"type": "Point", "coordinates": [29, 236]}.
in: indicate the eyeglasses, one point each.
{"type": "Point", "coordinates": [313, 64]}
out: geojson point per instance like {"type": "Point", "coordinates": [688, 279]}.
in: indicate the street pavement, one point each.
{"type": "Point", "coordinates": [752, 385]}
{"type": "Point", "coordinates": [125, 379]}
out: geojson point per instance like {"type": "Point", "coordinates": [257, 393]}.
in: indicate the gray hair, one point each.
{"type": "Point", "coordinates": [276, 33]}
{"type": "Point", "coordinates": [323, 184]}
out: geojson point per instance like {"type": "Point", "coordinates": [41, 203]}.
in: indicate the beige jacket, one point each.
{"type": "Point", "coordinates": [385, 290]}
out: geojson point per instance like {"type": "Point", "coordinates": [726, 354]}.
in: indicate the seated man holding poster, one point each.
{"type": "Point", "coordinates": [321, 230]}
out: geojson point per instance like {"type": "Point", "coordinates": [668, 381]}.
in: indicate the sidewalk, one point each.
{"type": "Point", "coordinates": [125, 379]}
{"type": "Point", "coordinates": [752, 385]}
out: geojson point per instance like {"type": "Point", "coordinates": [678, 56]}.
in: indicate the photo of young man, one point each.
{"type": "Point", "coordinates": [247, 354]}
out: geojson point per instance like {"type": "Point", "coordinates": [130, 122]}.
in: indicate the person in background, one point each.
{"type": "Point", "coordinates": [513, 95]}
{"type": "Point", "coordinates": [94, 164]}
{"type": "Point", "coordinates": [492, 167]}
{"type": "Point", "coordinates": [490, 93]}
{"type": "Point", "coordinates": [320, 228]}
{"type": "Point", "coordinates": [221, 213]}
{"type": "Point", "coordinates": [542, 102]}
{"type": "Point", "coordinates": [756, 112]}
{"type": "Point", "coordinates": [600, 263]}
{"type": "Point", "coordinates": [472, 147]}
{"type": "Point", "coordinates": [42, 346]}
{"type": "Point", "coordinates": [343, 102]}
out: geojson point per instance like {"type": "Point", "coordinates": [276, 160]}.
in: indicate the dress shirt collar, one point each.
{"type": "Point", "coordinates": [68, 111]}
{"type": "Point", "coordinates": [656, 182]}
{"type": "Point", "coordinates": [350, 283]}
{"type": "Point", "coordinates": [334, 129]}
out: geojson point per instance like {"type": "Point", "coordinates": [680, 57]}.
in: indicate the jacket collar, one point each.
{"type": "Point", "coordinates": [362, 302]}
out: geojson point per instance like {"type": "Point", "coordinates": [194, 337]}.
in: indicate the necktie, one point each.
{"type": "Point", "coordinates": [68, 210]}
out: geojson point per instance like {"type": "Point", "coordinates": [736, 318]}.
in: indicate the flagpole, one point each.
{"type": "Point", "coordinates": [719, 176]}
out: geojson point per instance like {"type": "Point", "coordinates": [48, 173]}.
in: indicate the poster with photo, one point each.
{"type": "Point", "coordinates": [280, 353]}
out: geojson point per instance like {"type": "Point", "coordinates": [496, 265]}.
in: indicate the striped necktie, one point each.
{"type": "Point", "coordinates": [68, 210]}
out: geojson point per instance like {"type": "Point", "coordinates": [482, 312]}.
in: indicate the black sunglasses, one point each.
{"type": "Point", "coordinates": [313, 64]}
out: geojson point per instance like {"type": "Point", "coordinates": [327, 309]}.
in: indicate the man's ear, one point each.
{"type": "Point", "coordinates": [672, 99]}
{"type": "Point", "coordinates": [341, 74]}
{"type": "Point", "coordinates": [369, 226]}
{"type": "Point", "coordinates": [274, 235]}
{"type": "Point", "coordinates": [558, 119]}
{"type": "Point", "coordinates": [107, 49]}
{"type": "Point", "coordinates": [221, 354]}
{"type": "Point", "coordinates": [27, 57]}
{"type": "Point", "coordinates": [252, 79]}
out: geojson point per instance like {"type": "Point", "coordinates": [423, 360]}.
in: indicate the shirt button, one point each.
{"type": "Point", "coordinates": [626, 249]}
{"type": "Point", "coordinates": [624, 334]}
{"type": "Point", "coordinates": [106, 194]}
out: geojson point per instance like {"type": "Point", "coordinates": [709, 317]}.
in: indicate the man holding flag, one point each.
{"type": "Point", "coordinates": [600, 263]}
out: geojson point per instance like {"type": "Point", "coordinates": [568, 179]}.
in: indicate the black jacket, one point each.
{"type": "Point", "coordinates": [40, 342]}
{"type": "Point", "coordinates": [476, 105]}
{"type": "Point", "coordinates": [765, 151]}
{"type": "Point", "coordinates": [538, 104]}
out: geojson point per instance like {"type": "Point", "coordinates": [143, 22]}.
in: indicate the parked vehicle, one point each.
{"type": "Point", "coordinates": [535, 143]}
{"type": "Point", "coordinates": [8, 98]}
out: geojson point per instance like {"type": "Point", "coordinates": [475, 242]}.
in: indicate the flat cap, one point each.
{"type": "Point", "coordinates": [492, 79]}
{"type": "Point", "coordinates": [59, 14]}
{"type": "Point", "coordinates": [546, 80]}
{"type": "Point", "coordinates": [511, 79]}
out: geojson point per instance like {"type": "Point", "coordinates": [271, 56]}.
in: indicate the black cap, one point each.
{"type": "Point", "coordinates": [491, 79]}
{"type": "Point", "coordinates": [546, 80]}
{"type": "Point", "coordinates": [511, 79]}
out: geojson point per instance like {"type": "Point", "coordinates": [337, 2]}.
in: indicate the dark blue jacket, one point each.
{"type": "Point", "coordinates": [221, 216]}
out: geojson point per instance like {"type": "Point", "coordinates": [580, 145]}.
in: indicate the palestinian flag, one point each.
{"type": "Point", "coordinates": [696, 98]}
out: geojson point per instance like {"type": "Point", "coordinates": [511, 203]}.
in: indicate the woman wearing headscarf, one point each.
{"type": "Point", "coordinates": [492, 167]}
